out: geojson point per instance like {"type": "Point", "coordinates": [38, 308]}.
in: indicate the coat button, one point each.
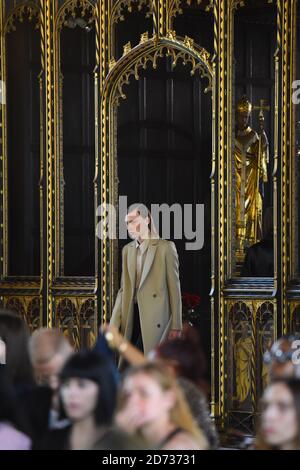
{"type": "Point", "coordinates": [158, 326]}
{"type": "Point", "coordinates": [154, 295]}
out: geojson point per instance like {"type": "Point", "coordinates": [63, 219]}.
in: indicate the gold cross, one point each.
{"type": "Point", "coordinates": [263, 106]}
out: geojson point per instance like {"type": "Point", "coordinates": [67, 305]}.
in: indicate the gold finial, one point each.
{"type": "Point", "coordinates": [127, 48]}
{"type": "Point", "coordinates": [171, 34]}
{"type": "Point", "coordinates": [244, 105]}
{"type": "Point", "coordinates": [144, 37]}
{"type": "Point", "coordinates": [189, 42]}
{"type": "Point", "coordinates": [112, 63]}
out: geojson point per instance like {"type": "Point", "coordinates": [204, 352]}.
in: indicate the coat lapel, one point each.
{"type": "Point", "coordinates": [131, 263]}
{"type": "Point", "coordinates": [149, 260]}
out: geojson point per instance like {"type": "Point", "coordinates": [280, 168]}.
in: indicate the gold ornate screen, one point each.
{"type": "Point", "coordinates": [245, 315]}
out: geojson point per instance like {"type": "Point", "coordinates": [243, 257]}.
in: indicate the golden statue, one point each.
{"type": "Point", "coordinates": [251, 154]}
{"type": "Point", "coordinates": [243, 349]}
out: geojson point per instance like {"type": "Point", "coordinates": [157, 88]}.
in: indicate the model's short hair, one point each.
{"type": "Point", "coordinates": [143, 210]}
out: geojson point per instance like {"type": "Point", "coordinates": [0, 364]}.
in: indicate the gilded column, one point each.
{"type": "Point", "coordinates": [47, 16]}
{"type": "Point", "coordinates": [101, 181]}
{"type": "Point", "coordinates": [3, 172]}
{"type": "Point", "coordinates": [286, 10]}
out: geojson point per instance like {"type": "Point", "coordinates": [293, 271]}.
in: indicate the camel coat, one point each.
{"type": "Point", "coordinates": [158, 295]}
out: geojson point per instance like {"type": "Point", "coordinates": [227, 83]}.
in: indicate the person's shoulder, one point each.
{"type": "Point", "coordinates": [128, 245]}
{"type": "Point", "coordinates": [117, 439]}
{"type": "Point", "coordinates": [185, 441]}
{"type": "Point", "coordinates": [163, 242]}
{"type": "Point", "coordinates": [55, 439]}
{"type": "Point", "coordinates": [12, 439]}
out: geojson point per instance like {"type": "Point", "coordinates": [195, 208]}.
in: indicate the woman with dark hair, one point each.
{"type": "Point", "coordinates": [88, 399]}
{"type": "Point", "coordinates": [279, 426]}
{"type": "Point", "coordinates": [12, 426]}
{"type": "Point", "coordinates": [15, 365]}
{"type": "Point", "coordinates": [14, 333]}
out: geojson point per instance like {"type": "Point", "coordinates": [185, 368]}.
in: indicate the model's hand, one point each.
{"type": "Point", "coordinates": [112, 335]}
{"type": "Point", "coordinates": [129, 419]}
{"type": "Point", "coordinates": [173, 334]}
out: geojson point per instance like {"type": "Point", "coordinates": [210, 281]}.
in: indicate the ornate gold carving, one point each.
{"type": "Point", "coordinates": [266, 335]}
{"type": "Point", "coordinates": [219, 408]}
{"type": "Point", "coordinates": [28, 11]}
{"type": "Point", "coordinates": [112, 63]}
{"type": "Point", "coordinates": [69, 9]}
{"type": "Point", "coordinates": [48, 9]}
{"type": "Point", "coordinates": [118, 10]}
{"type": "Point", "coordinates": [237, 3]}
{"type": "Point", "coordinates": [77, 313]}
{"type": "Point", "coordinates": [171, 34]}
{"type": "Point", "coordinates": [144, 37]}
{"type": "Point", "coordinates": [67, 319]}
{"type": "Point", "coordinates": [16, 305]}
{"type": "Point", "coordinates": [286, 154]}
{"type": "Point", "coordinates": [189, 42]}
{"type": "Point", "coordinates": [198, 58]}
{"type": "Point", "coordinates": [126, 48]}
{"type": "Point", "coordinates": [175, 8]}
{"type": "Point", "coordinates": [241, 351]}
{"type": "Point", "coordinates": [75, 316]}
{"type": "Point", "coordinates": [28, 307]}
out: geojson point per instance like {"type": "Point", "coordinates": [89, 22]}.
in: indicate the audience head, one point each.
{"type": "Point", "coordinates": [88, 388]}
{"type": "Point", "coordinates": [14, 333]}
{"type": "Point", "coordinates": [280, 358]}
{"type": "Point", "coordinates": [49, 350]}
{"type": "Point", "coordinates": [280, 416]}
{"type": "Point", "coordinates": [153, 395]}
{"type": "Point", "coordinates": [186, 356]}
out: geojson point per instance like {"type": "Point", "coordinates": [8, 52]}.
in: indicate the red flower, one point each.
{"type": "Point", "coordinates": [190, 301]}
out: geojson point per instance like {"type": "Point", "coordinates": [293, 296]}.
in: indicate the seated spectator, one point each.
{"type": "Point", "coordinates": [152, 406]}
{"type": "Point", "coordinates": [14, 333]}
{"type": "Point", "coordinates": [279, 426]}
{"type": "Point", "coordinates": [279, 359]}
{"type": "Point", "coordinates": [88, 398]}
{"type": "Point", "coordinates": [12, 425]}
{"type": "Point", "coordinates": [49, 350]}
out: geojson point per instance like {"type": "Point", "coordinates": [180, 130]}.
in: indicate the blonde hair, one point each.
{"type": "Point", "coordinates": [180, 414]}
